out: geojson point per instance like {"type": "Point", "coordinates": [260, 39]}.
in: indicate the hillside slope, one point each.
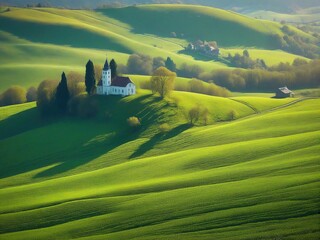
{"type": "Point", "coordinates": [43, 42]}
{"type": "Point", "coordinates": [73, 179]}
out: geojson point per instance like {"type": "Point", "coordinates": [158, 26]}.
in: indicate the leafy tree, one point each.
{"type": "Point", "coordinates": [139, 64]}
{"type": "Point", "coordinates": [45, 96]}
{"type": "Point", "coordinates": [169, 64]}
{"type": "Point", "coordinates": [158, 62]}
{"type": "Point", "coordinates": [246, 53]}
{"type": "Point", "coordinates": [31, 94]}
{"type": "Point", "coordinates": [133, 122]}
{"type": "Point", "coordinates": [162, 81]}
{"type": "Point", "coordinates": [194, 114]}
{"type": "Point", "coordinates": [62, 94]}
{"type": "Point", "coordinates": [75, 83]}
{"type": "Point", "coordinates": [113, 67]}
{"type": "Point", "coordinates": [13, 95]}
{"type": "Point", "coordinates": [90, 78]}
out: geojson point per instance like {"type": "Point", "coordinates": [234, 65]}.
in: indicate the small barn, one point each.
{"type": "Point", "coordinates": [284, 92]}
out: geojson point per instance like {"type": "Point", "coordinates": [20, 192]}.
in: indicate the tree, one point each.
{"type": "Point", "coordinates": [139, 64]}
{"type": "Point", "coordinates": [158, 62]}
{"type": "Point", "coordinates": [162, 81]}
{"type": "Point", "coordinates": [169, 64]}
{"type": "Point", "coordinates": [13, 95]}
{"type": "Point", "coordinates": [75, 83]}
{"type": "Point", "coordinates": [113, 67]}
{"type": "Point", "coordinates": [62, 95]}
{"type": "Point", "coordinates": [246, 53]}
{"type": "Point", "coordinates": [31, 94]}
{"type": "Point", "coordinates": [194, 114]}
{"type": "Point", "coordinates": [45, 96]}
{"type": "Point", "coordinates": [90, 78]}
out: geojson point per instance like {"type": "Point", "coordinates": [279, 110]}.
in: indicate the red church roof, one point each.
{"type": "Point", "coordinates": [120, 81]}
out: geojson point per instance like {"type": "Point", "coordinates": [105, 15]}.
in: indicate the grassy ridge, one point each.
{"type": "Point", "coordinates": [44, 42]}
{"type": "Point", "coordinates": [197, 183]}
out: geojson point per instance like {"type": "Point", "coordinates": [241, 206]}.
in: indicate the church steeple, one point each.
{"type": "Point", "coordinates": [106, 65]}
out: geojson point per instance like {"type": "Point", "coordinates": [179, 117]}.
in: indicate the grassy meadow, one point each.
{"type": "Point", "coordinates": [248, 169]}
{"type": "Point", "coordinates": [45, 41]}
{"type": "Point", "coordinates": [74, 178]}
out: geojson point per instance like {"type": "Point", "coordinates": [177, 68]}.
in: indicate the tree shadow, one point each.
{"type": "Point", "coordinates": [145, 147]}
{"type": "Point", "coordinates": [64, 143]}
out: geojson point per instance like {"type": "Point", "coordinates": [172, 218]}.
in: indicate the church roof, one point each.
{"type": "Point", "coordinates": [120, 81]}
{"type": "Point", "coordinates": [106, 65]}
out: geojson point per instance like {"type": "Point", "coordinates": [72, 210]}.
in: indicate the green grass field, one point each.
{"type": "Point", "coordinates": [43, 42]}
{"type": "Point", "coordinates": [256, 177]}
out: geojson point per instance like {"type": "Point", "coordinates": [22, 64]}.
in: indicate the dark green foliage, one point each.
{"type": "Point", "coordinates": [169, 64]}
{"type": "Point", "coordinates": [31, 94]}
{"type": "Point", "coordinates": [90, 78]}
{"type": "Point", "coordinates": [113, 67]}
{"type": "Point", "coordinates": [295, 43]}
{"type": "Point", "coordinates": [245, 61]}
{"type": "Point", "coordinates": [62, 95]}
{"type": "Point", "coordinates": [45, 97]}
{"type": "Point", "coordinates": [83, 106]}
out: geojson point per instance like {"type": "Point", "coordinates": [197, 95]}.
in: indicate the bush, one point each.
{"type": "Point", "coordinates": [164, 128]}
{"type": "Point", "coordinates": [83, 106]}
{"type": "Point", "coordinates": [139, 64]}
{"type": "Point", "coordinates": [45, 97]}
{"type": "Point", "coordinates": [76, 84]}
{"type": "Point", "coordinates": [133, 122]}
{"type": "Point", "coordinates": [233, 114]}
{"type": "Point", "coordinates": [194, 114]}
{"type": "Point", "coordinates": [31, 94]}
{"type": "Point", "coordinates": [13, 95]}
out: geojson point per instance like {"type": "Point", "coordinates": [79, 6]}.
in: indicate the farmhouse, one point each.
{"type": "Point", "coordinates": [284, 92]}
{"type": "Point", "coordinates": [117, 86]}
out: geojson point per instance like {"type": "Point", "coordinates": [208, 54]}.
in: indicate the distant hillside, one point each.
{"type": "Point", "coordinates": [284, 6]}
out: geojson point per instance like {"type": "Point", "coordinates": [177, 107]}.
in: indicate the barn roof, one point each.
{"type": "Point", "coordinates": [120, 81]}
{"type": "Point", "coordinates": [285, 90]}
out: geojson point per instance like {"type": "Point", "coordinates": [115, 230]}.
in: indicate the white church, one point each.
{"type": "Point", "coordinates": [117, 86]}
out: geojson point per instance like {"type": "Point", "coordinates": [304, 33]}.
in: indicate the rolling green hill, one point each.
{"type": "Point", "coordinates": [253, 178]}
{"type": "Point", "coordinates": [43, 42]}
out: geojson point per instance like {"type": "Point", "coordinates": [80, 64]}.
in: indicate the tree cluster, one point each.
{"type": "Point", "coordinates": [245, 61]}
{"type": "Point", "coordinates": [17, 95]}
{"type": "Point", "coordinates": [199, 86]}
{"type": "Point", "coordinates": [145, 65]}
{"type": "Point", "coordinates": [292, 42]}
{"type": "Point", "coordinates": [300, 74]}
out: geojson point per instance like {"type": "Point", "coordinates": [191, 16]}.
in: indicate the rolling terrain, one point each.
{"type": "Point", "coordinates": [256, 177]}
{"type": "Point", "coordinates": [43, 42]}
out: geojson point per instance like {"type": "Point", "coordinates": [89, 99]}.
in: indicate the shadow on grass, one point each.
{"type": "Point", "coordinates": [63, 144]}
{"type": "Point", "coordinates": [157, 138]}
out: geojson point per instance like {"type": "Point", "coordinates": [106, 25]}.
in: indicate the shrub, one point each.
{"type": "Point", "coordinates": [164, 128]}
{"type": "Point", "coordinates": [133, 122]}
{"type": "Point", "coordinates": [233, 114]}
{"type": "Point", "coordinates": [45, 96]}
{"type": "Point", "coordinates": [31, 94]}
{"type": "Point", "coordinates": [194, 114]}
{"type": "Point", "coordinates": [13, 95]}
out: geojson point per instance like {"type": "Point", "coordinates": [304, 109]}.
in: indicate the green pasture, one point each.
{"type": "Point", "coordinates": [271, 58]}
{"type": "Point", "coordinates": [40, 40]}
{"type": "Point", "coordinates": [97, 179]}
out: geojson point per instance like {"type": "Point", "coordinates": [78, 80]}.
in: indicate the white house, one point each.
{"type": "Point", "coordinates": [117, 86]}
